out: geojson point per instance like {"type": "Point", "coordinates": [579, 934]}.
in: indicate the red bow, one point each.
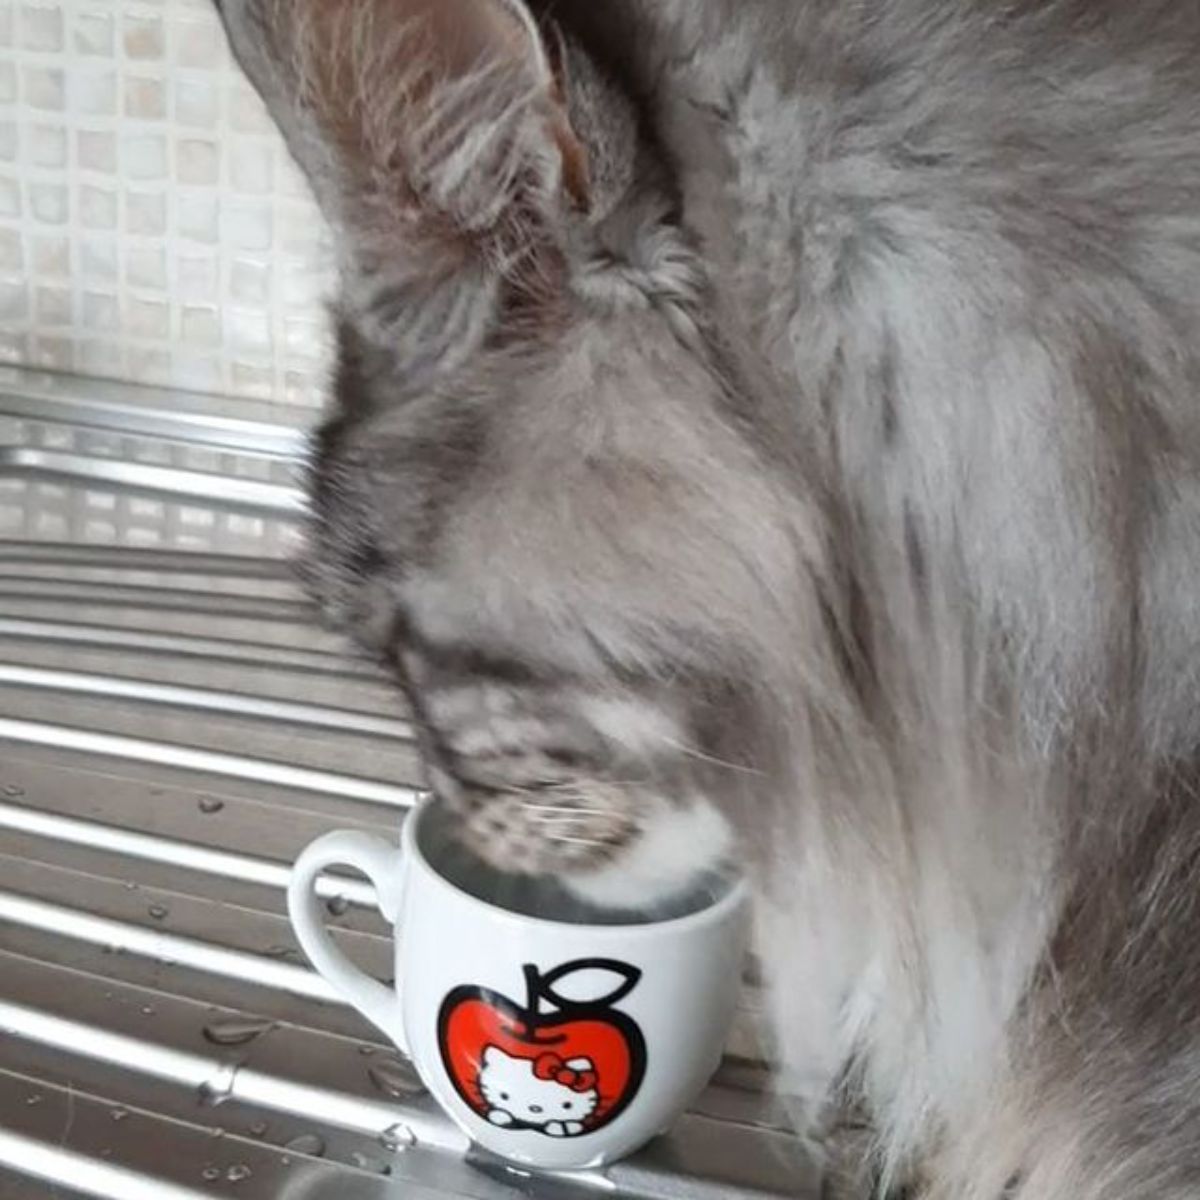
{"type": "Point", "coordinates": [550, 1066]}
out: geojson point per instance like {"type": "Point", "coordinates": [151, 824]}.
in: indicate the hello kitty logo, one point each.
{"type": "Point", "coordinates": [544, 1093]}
{"type": "Point", "coordinates": [559, 1065]}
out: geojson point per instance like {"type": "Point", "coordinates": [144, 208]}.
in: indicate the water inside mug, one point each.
{"type": "Point", "coordinates": [541, 896]}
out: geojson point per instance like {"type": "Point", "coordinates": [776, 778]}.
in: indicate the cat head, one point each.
{"type": "Point", "coordinates": [548, 493]}
{"type": "Point", "coordinates": [537, 1094]}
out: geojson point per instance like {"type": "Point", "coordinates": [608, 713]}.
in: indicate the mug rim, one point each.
{"type": "Point", "coordinates": [735, 897]}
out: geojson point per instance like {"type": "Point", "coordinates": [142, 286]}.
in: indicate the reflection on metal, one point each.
{"type": "Point", "coordinates": [146, 848]}
{"type": "Point", "coordinates": [242, 494]}
{"type": "Point", "coordinates": [185, 758]}
{"type": "Point", "coordinates": [203, 698]}
{"type": "Point", "coordinates": [119, 937]}
{"type": "Point", "coordinates": [219, 1081]}
{"type": "Point", "coordinates": [84, 1175]}
{"type": "Point", "coordinates": [160, 416]}
{"type": "Point", "coordinates": [150, 642]}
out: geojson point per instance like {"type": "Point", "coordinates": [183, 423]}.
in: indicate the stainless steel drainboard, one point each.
{"type": "Point", "coordinates": [173, 728]}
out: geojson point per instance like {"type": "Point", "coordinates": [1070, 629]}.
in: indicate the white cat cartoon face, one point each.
{"type": "Point", "coordinates": [546, 1093]}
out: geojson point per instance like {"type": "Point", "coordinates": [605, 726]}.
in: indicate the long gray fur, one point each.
{"type": "Point", "coordinates": [829, 457]}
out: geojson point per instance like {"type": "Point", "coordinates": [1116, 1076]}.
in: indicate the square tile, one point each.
{"type": "Point", "coordinates": [49, 203]}
{"type": "Point", "coordinates": [143, 38]}
{"type": "Point", "coordinates": [14, 302]}
{"type": "Point", "coordinates": [146, 267]}
{"type": "Point", "coordinates": [197, 102]}
{"type": "Point", "coordinates": [197, 216]}
{"type": "Point", "coordinates": [92, 33]}
{"type": "Point", "coordinates": [147, 318]}
{"type": "Point", "coordinates": [98, 260]}
{"type": "Point", "coordinates": [10, 197]}
{"type": "Point", "coordinates": [96, 151]}
{"type": "Point", "coordinates": [52, 305]}
{"type": "Point", "coordinates": [100, 312]}
{"type": "Point", "coordinates": [251, 165]}
{"type": "Point", "coordinates": [48, 146]}
{"type": "Point", "coordinates": [199, 43]}
{"type": "Point", "coordinates": [42, 27]}
{"type": "Point", "coordinates": [197, 162]}
{"type": "Point", "coordinates": [51, 257]}
{"type": "Point", "coordinates": [249, 332]}
{"type": "Point", "coordinates": [97, 207]}
{"type": "Point", "coordinates": [250, 281]}
{"type": "Point", "coordinates": [12, 251]}
{"type": "Point", "coordinates": [146, 213]}
{"type": "Point", "coordinates": [101, 357]}
{"type": "Point", "coordinates": [144, 156]}
{"type": "Point", "coordinates": [247, 113]}
{"type": "Point", "coordinates": [52, 353]}
{"type": "Point", "coordinates": [247, 227]}
{"type": "Point", "coordinates": [200, 326]}
{"type": "Point", "coordinates": [145, 99]}
{"type": "Point", "coordinates": [43, 88]}
{"type": "Point", "coordinates": [94, 93]}
{"type": "Point", "coordinates": [14, 348]}
{"type": "Point", "coordinates": [195, 278]}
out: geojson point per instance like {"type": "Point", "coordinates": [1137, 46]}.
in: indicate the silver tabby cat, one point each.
{"type": "Point", "coordinates": [771, 429]}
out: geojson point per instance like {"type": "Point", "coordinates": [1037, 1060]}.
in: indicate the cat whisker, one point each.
{"type": "Point", "coordinates": [692, 752]}
{"type": "Point", "coordinates": [571, 809]}
{"type": "Point", "coordinates": [578, 840]}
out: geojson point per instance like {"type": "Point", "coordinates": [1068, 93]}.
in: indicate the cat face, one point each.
{"type": "Point", "coordinates": [517, 1095]}
{"type": "Point", "coordinates": [544, 496]}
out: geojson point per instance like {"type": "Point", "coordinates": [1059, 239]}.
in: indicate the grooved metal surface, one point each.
{"type": "Point", "coordinates": [174, 727]}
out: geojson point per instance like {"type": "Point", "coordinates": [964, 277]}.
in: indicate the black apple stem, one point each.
{"type": "Point", "coordinates": [533, 989]}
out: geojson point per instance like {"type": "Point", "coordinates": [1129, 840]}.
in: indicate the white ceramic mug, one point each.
{"type": "Point", "coordinates": [555, 1044]}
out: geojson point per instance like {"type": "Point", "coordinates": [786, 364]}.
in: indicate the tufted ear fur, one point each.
{"type": "Point", "coordinates": [437, 137]}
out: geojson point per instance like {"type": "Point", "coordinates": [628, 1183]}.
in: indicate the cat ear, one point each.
{"type": "Point", "coordinates": [436, 136]}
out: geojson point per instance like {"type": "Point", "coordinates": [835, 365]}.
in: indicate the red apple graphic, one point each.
{"type": "Point", "coordinates": [550, 1032]}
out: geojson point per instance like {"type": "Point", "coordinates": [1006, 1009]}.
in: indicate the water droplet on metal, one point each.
{"type": "Point", "coordinates": [11, 789]}
{"type": "Point", "coordinates": [236, 1031]}
{"type": "Point", "coordinates": [160, 912]}
{"type": "Point", "coordinates": [219, 1088]}
{"type": "Point", "coordinates": [211, 1173]}
{"type": "Point", "coordinates": [367, 1051]}
{"type": "Point", "coordinates": [283, 952]}
{"type": "Point", "coordinates": [337, 906]}
{"type": "Point", "coordinates": [311, 1144]}
{"type": "Point", "coordinates": [258, 1128]}
{"type": "Point", "coordinates": [130, 886]}
{"type": "Point", "coordinates": [210, 805]}
{"type": "Point", "coordinates": [397, 1138]}
{"type": "Point", "coordinates": [119, 1114]}
{"type": "Point", "coordinates": [36, 1098]}
{"type": "Point", "coordinates": [368, 1162]}
{"type": "Point", "coordinates": [147, 1010]}
{"type": "Point", "coordinates": [395, 1079]}
{"type": "Point", "coordinates": [237, 1173]}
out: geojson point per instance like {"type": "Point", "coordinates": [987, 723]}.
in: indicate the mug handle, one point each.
{"type": "Point", "coordinates": [382, 863]}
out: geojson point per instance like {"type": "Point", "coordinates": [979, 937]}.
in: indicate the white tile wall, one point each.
{"type": "Point", "coordinates": [152, 225]}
